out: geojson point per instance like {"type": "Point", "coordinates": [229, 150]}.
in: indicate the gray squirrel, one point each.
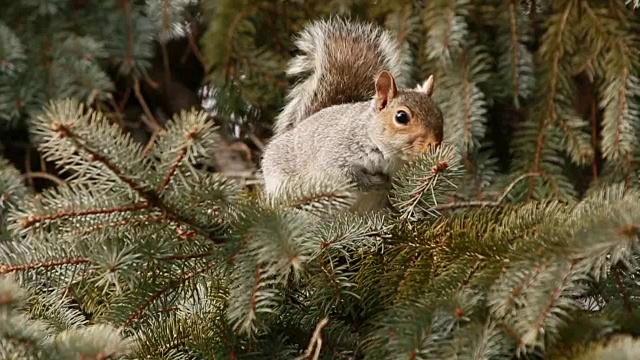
{"type": "Point", "coordinates": [352, 117]}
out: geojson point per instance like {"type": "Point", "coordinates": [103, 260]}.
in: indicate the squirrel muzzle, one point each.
{"type": "Point", "coordinates": [424, 142]}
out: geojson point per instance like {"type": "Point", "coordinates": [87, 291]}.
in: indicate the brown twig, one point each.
{"type": "Point", "coordinates": [316, 342]}
{"type": "Point", "coordinates": [594, 139]}
{"type": "Point", "coordinates": [253, 302]}
{"type": "Point", "coordinates": [149, 145]}
{"type": "Point", "coordinates": [498, 202]}
{"type": "Point", "coordinates": [129, 30]}
{"type": "Point", "coordinates": [117, 110]}
{"type": "Point", "coordinates": [256, 141]}
{"type": "Point", "coordinates": [333, 282]}
{"type": "Point", "coordinates": [173, 344]}
{"type": "Point", "coordinates": [167, 69]}
{"type": "Point", "coordinates": [402, 31]}
{"type": "Point", "coordinates": [515, 49]}
{"type": "Point", "coordinates": [125, 98]}
{"type": "Point", "coordinates": [43, 175]}
{"type": "Point", "coordinates": [163, 48]}
{"type": "Point", "coordinates": [174, 168]}
{"type": "Point", "coordinates": [150, 120]}
{"type": "Point", "coordinates": [27, 166]}
{"type": "Point", "coordinates": [150, 81]}
{"type": "Point", "coordinates": [5, 269]}
{"type": "Point", "coordinates": [187, 256]}
{"type": "Point", "coordinates": [31, 220]}
{"type": "Point", "coordinates": [230, 35]}
{"type": "Point", "coordinates": [139, 221]}
{"type": "Point", "coordinates": [196, 51]}
{"type": "Point", "coordinates": [623, 291]}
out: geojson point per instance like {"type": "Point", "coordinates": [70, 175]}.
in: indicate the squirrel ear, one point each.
{"type": "Point", "coordinates": [385, 89]}
{"type": "Point", "coordinates": [427, 86]}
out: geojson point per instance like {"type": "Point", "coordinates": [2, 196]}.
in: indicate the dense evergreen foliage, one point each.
{"type": "Point", "coordinates": [518, 237]}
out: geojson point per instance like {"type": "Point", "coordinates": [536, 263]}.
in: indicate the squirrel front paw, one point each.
{"type": "Point", "coordinates": [369, 181]}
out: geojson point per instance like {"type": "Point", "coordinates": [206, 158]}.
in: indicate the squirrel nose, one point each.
{"type": "Point", "coordinates": [423, 144]}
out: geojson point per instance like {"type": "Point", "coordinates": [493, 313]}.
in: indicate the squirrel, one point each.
{"type": "Point", "coordinates": [352, 116]}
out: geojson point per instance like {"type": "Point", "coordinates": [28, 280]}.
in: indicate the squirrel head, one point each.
{"type": "Point", "coordinates": [410, 122]}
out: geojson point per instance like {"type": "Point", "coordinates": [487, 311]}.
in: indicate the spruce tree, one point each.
{"type": "Point", "coordinates": [496, 247]}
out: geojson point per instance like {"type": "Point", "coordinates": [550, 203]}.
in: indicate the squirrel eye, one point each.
{"type": "Point", "coordinates": [402, 117]}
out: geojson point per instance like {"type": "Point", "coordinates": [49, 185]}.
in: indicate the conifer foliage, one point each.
{"type": "Point", "coordinates": [80, 49]}
{"type": "Point", "coordinates": [143, 252]}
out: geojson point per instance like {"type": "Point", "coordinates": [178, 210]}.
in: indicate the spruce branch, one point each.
{"type": "Point", "coordinates": [261, 297]}
{"type": "Point", "coordinates": [623, 291]}
{"type": "Point", "coordinates": [549, 106]}
{"type": "Point", "coordinates": [332, 281]}
{"type": "Point", "coordinates": [610, 239]}
{"type": "Point", "coordinates": [544, 304]}
{"type": "Point", "coordinates": [122, 223]}
{"type": "Point", "coordinates": [447, 28]}
{"type": "Point", "coordinates": [58, 127]}
{"type": "Point", "coordinates": [170, 19]}
{"type": "Point", "coordinates": [79, 139]}
{"type": "Point", "coordinates": [219, 51]}
{"type": "Point", "coordinates": [544, 316]}
{"type": "Point", "coordinates": [189, 137]}
{"type": "Point", "coordinates": [346, 234]}
{"type": "Point", "coordinates": [322, 195]}
{"type": "Point", "coordinates": [75, 69]}
{"type": "Point", "coordinates": [99, 341]}
{"type": "Point", "coordinates": [134, 53]}
{"type": "Point", "coordinates": [515, 48]}
{"type": "Point", "coordinates": [500, 201]}
{"type": "Point", "coordinates": [480, 341]}
{"type": "Point", "coordinates": [620, 82]}
{"type": "Point", "coordinates": [5, 269]}
{"type": "Point", "coordinates": [419, 328]}
{"type": "Point", "coordinates": [12, 191]}
{"type": "Point", "coordinates": [426, 181]}
{"type": "Point", "coordinates": [335, 249]}
{"type": "Point", "coordinates": [12, 53]}
{"type": "Point", "coordinates": [33, 220]}
{"type": "Point", "coordinates": [163, 292]}
{"type": "Point", "coordinates": [502, 306]}
{"type": "Point", "coordinates": [554, 126]}
{"type": "Point", "coordinates": [515, 61]}
{"type": "Point", "coordinates": [465, 114]}
{"type": "Point", "coordinates": [22, 333]}
{"type": "Point", "coordinates": [22, 94]}
{"type": "Point", "coordinates": [269, 255]}
{"type": "Point", "coordinates": [174, 168]}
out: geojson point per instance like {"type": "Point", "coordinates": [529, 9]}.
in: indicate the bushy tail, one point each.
{"type": "Point", "coordinates": [340, 59]}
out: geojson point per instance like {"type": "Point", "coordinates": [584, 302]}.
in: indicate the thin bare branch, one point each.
{"type": "Point", "coordinates": [498, 202]}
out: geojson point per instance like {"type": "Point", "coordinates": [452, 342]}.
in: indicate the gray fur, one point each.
{"type": "Point", "coordinates": [340, 59]}
{"type": "Point", "coordinates": [349, 148]}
